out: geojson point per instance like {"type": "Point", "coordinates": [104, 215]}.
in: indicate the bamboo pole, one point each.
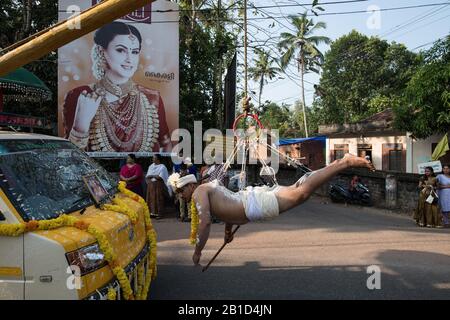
{"type": "Point", "coordinates": [61, 34]}
{"type": "Point", "coordinates": [217, 253]}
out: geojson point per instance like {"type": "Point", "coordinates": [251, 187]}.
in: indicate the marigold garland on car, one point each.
{"type": "Point", "coordinates": [105, 246]}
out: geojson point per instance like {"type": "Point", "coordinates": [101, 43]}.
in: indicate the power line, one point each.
{"type": "Point", "coordinates": [421, 26]}
{"type": "Point", "coordinates": [263, 7]}
{"type": "Point", "coordinates": [308, 15]}
{"type": "Point", "coordinates": [359, 48]}
{"type": "Point", "coordinates": [231, 8]}
{"type": "Point", "coordinates": [415, 19]}
{"type": "Point", "coordinates": [423, 45]}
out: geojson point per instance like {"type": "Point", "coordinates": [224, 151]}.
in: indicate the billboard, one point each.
{"type": "Point", "coordinates": [118, 87]}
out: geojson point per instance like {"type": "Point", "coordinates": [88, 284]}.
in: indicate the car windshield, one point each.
{"type": "Point", "coordinates": [44, 178]}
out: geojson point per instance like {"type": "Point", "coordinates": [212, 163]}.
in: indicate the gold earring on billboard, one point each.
{"type": "Point", "coordinates": [98, 62]}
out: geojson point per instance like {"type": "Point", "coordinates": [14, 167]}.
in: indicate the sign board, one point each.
{"type": "Point", "coordinates": [133, 65]}
{"type": "Point", "coordinates": [16, 120]}
{"type": "Point", "coordinates": [436, 165]}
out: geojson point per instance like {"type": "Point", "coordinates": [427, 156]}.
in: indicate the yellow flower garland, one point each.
{"type": "Point", "coordinates": [120, 206]}
{"type": "Point", "coordinates": [194, 223]}
{"type": "Point", "coordinates": [140, 281]}
{"type": "Point", "coordinates": [105, 246]}
{"type": "Point", "coordinates": [112, 294]}
{"type": "Point", "coordinates": [12, 230]}
{"type": "Point", "coordinates": [16, 229]}
{"type": "Point", "coordinates": [151, 234]}
{"type": "Point", "coordinates": [151, 274]}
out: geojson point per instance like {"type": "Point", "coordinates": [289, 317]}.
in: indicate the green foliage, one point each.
{"type": "Point", "coordinates": [288, 120]}
{"type": "Point", "coordinates": [274, 116]}
{"type": "Point", "coordinates": [15, 26]}
{"type": "Point", "coordinates": [360, 75]}
{"type": "Point", "coordinates": [206, 47]}
{"type": "Point", "coordinates": [426, 103]}
{"type": "Point", "coordinates": [262, 71]}
{"type": "Point", "coordinates": [302, 45]}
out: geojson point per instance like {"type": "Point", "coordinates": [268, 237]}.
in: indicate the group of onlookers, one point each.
{"type": "Point", "coordinates": [433, 207]}
{"type": "Point", "coordinates": [155, 182]}
{"type": "Point", "coordinates": [153, 185]}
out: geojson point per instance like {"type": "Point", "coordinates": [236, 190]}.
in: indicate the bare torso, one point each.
{"type": "Point", "coordinates": [225, 204]}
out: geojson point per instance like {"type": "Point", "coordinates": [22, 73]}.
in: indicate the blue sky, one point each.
{"type": "Point", "coordinates": [413, 27]}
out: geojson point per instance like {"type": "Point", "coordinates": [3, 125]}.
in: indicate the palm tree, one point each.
{"type": "Point", "coordinates": [262, 71]}
{"type": "Point", "coordinates": [303, 46]}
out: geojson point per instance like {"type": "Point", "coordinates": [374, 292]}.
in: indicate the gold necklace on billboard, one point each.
{"type": "Point", "coordinates": [129, 124]}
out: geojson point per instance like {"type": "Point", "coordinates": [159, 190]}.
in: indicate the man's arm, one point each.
{"type": "Point", "coordinates": [202, 202]}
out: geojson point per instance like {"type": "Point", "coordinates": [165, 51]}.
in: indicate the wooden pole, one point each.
{"type": "Point", "coordinates": [63, 33]}
{"type": "Point", "coordinates": [217, 253]}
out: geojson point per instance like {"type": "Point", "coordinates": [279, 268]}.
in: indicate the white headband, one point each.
{"type": "Point", "coordinates": [177, 182]}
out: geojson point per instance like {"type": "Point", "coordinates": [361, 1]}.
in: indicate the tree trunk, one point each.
{"type": "Point", "coordinates": [261, 85]}
{"type": "Point", "coordinates": [302, 73]}
{"type": "Point", "coordinates": [193, 14]}
{"type": "Point", "coordinates": [26, 21]}
{"type": "Point", "coordinates": [220, 118]}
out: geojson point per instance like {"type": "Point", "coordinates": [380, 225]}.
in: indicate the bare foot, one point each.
{"type": "Point", "coordinates": [354, 161]}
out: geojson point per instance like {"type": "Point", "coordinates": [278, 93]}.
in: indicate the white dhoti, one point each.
{"type": "Point", "coordinates": [260, 203]}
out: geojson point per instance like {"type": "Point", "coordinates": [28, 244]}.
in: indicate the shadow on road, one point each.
{"type": "Point", "coordinates": [404, 275]}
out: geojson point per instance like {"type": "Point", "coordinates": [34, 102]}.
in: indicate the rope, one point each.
{"type": "Point", "coordinates": [265, 167]}
{"type": "Point", "coordinates": [289, 159]}
{"type": "Point", "coordinates": [243, 169]}
{"type": "Point", "coordinates": [228, 161]}
{"type": "Point", "coordinates": [245, 57]}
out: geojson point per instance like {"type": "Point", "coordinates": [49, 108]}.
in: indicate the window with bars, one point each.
{"type": "Point", "coordinates": [394, 157]}
{"type": "Point", "coordinates": [395, 160]}
{"type": "Point", "coordinates": [339, 151]}
{"type": "Point", "coordinates": [339, 154]}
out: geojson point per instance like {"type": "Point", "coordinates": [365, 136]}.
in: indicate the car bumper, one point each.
{"type": "Point", "coordinates": [130, 270]}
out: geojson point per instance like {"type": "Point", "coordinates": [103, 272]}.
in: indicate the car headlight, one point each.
{"type": "Point", "coordinates": [88, 258]}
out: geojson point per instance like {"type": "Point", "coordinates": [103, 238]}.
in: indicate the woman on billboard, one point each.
{"type": "Point", "coordinates": [115, 114]}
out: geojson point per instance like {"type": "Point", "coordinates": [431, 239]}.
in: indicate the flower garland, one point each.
{"type": "Point", "coordinates": [17, 229]}
{"type": "Point", "coordinates": [151, 233]}
{"type": "Point", "coordinates": [151, 274]}
{"type": "Point", "coordinates": [140, 281]}
{"type": "Point", "coordinates": [111, 295]}
{"type": "Point", "coordinates": [194, 223]}
{"type": "Point", "coordinates": [104, 245]}
{"type": "Point", "coordinates": [120, 206]}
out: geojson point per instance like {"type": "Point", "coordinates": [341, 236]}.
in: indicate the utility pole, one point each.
{"type": "Point", "coordinates": [219, 64]}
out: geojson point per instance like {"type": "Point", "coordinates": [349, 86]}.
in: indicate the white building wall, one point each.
{"type": "Point", "coordinates": [376, 142]}
{"type": "Point", "coordinates": [421, 150]}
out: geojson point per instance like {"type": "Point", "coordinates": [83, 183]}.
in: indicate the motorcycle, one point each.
{"type": "Point", "coordinates": [360, 196]}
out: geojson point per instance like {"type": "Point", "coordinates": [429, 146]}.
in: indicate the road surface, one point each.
{"type": "Point", "coordinates": [316, 251]}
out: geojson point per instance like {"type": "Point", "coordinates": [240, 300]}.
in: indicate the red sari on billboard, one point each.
{"type": "Point", "coordinates": [134, 123]}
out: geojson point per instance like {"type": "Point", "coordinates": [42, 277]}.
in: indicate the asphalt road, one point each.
{"type": "Point", "coordinates": [315, 251]}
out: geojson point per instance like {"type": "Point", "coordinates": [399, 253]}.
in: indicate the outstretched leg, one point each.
{"type": "Point", "coordinates": [292, 196]}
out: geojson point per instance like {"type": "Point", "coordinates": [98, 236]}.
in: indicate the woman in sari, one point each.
{"type": "Point", "coordinates": [133, 175]}
{"type": "Point", "coordinates": [427, 211]}
{"type": "Point", "coordinates": [115, 114]}
{"type": "Point", "coordinates": [444, 194]}
{"type": "Point", "coordinates": [156, 179]}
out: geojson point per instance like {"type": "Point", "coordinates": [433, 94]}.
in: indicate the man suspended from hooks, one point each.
{"type": "Point", "coordinates": [252, 203]}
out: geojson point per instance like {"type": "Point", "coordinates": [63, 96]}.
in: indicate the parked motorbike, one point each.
{"type": "Point", "coordinates": [360, 196]}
